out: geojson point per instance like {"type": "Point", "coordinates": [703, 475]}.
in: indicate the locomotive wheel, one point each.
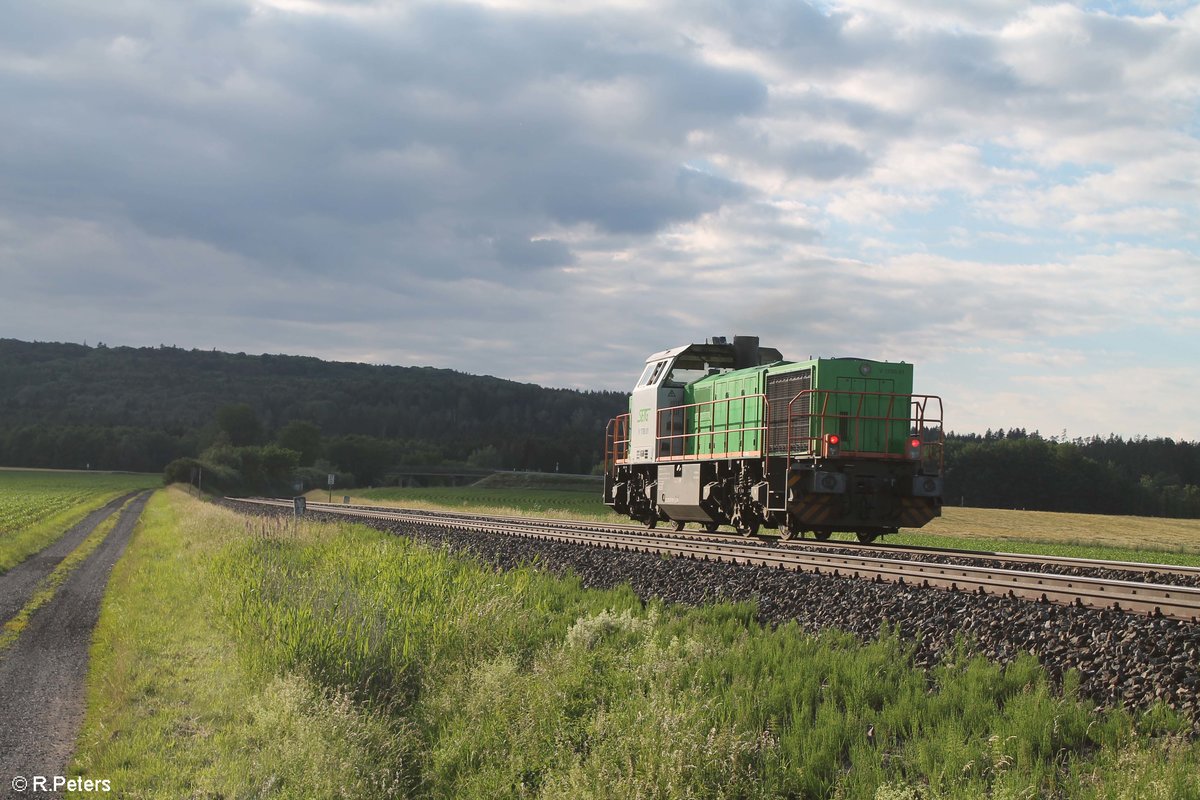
{"type": "Point", "coordinates": [786, 533]}
{"type": "Point", "coordinates": [866, 538]}
{"type": "Point", "coordinates": [822, 536]}
{"type": "Point", "coordinates": [748, 529]}
{"type": "Point", "coordinates": [712, 527]}
{"type": "Point", "coordinates": [680, 525]}
{"type": "Point", "coordinates": [650, 521]}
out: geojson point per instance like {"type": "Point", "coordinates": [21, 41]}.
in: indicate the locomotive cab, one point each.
{"type": "Point", "coordinates": [656, 401]}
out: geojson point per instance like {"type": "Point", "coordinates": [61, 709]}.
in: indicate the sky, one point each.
{"type": "Point", "coordinates": [1005, 194]}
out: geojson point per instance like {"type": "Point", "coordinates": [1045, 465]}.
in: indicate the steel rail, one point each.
{"type": "Point", "coordinates": [1176, 602]}
{"type": "Point", "coordinates": [807, 544]}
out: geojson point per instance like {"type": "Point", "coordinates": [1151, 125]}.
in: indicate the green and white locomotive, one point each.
{"type": "Point", "coordinates": [731, 434]}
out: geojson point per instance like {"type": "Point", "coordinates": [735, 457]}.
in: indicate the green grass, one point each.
{"type": "Point", "coordinates": [38, 506]}
{"type": "Point", "coordinates": [275, 659]}
{"type": "Point", "coordinates": [588, 484]}
{"type": "Point", "coordinates": [1131, 534]}
{"type": "Point", "coordinates": [526, 500]}
{"type": "Point", "coordinates": [173, 713]}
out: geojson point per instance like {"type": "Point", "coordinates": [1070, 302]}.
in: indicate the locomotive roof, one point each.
{"type": "Point", "coordinates": [699, 356]}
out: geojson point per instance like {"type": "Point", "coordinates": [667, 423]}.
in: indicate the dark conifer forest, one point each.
{"type": "Point", "coordinates": [263, 422]}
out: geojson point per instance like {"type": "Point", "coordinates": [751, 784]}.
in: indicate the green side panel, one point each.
{"type": "Point", "coordinates": [867, 403]}
{"type": "Point", "coordinates": [728, 416]}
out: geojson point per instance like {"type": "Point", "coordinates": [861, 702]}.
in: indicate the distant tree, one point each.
{"type": "Point", "coordinates": [181, 470]}
{"type": "Point", "coordinates": [302, 437]}
{"type": "Point", "coordinates": [485, 458]}
{"type": "Point", "coordinates": [366, 457]}
{"type": "Point", "coordinates": [267, 469]}
{"type": "Point", "coordinates": [240, 423]}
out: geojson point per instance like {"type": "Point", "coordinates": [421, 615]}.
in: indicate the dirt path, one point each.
{"type": "Point", "coordinates": [42, 673]}
{"type": "Point", "coordinates": [18, 584]}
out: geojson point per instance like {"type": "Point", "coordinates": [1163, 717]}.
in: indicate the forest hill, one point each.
{"type": "Point", "coordinates": [261, 421]}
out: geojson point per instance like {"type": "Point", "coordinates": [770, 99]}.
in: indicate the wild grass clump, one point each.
{"type": "Point", "coordinates": [309, 742]}
{"type": "Point", "coordinates": [374, 615]}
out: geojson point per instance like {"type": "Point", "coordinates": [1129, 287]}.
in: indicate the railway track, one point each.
{"type": "Point", "coordinates": [877, 549]}
{"type": "Point", "coordinates": [886, 564]}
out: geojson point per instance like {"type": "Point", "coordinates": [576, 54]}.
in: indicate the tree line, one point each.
{"type": "Point", "coordinates": [259, 423]}
{"type": "Point", "coordinates": [74, 406]}
{"type": "Point", "coordinates": [1113, 475]}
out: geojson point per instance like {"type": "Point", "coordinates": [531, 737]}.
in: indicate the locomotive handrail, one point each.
{"type": "Point", "coordinates": [617, 426]}
{"type": "Point", "coordinates": [919, 420]}
{"type": "Point", "coordinates": [727, 431]}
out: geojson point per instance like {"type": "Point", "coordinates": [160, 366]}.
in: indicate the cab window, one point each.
{"type": "Point", "coordinates": [652, 374]}
{"type": "Point", "coordinates": [645, 379]}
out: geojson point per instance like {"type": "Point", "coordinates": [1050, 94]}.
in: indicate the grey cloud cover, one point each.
{"type": "Point", "coordinates": [549, 192]}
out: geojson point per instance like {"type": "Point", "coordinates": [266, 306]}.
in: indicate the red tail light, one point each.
{"type": "Point", "coordinates": [914, 447]}
{"type": "Point", "coordinates": [832, 444]}
{"type": "Point", "coordinates": [833, 438]}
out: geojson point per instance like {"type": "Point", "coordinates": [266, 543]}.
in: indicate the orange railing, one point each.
{"type": "Point", "coordinates": [616, 441]}
{"type": "Point", "coordinates": [922, 418]}
{"type": "Point", "coordinates": [677, 436]}
{"type": "Point", "coordinates": [887, 426]}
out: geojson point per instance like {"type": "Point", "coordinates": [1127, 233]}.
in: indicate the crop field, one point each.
{"type": "Point", "coordinates": [548, 502]}
{"type": "Point", "coordinates": [520, 493]}
{"type": "Point", "coordinates": [350, 662]}
{"type": "Point", "coordinates": [36, 506]}
{"type": "Point", "coordinates": [1171, 541]}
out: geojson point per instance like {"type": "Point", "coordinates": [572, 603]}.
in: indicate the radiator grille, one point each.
{"type": "Point", "coordinates": [780, 391]}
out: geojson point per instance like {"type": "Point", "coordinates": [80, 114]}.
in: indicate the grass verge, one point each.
{"type": "Point", "coordinates": [274, 659]}
{"type": "Point", "coordinates": [171, 711]}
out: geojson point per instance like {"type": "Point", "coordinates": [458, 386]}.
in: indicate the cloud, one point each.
{"type": "Point", "coordinates": [550, 192]}
{"type": "Point", "coordinates": [533, 253]}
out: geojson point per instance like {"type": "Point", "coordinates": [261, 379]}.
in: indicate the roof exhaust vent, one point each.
{"type": "Point", "coordinates": [745, 352]}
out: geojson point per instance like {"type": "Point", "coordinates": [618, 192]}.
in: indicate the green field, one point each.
{"type": "Point", "coordinates": [1154, 539]}
{"type": "Point", "coordinates": [527, 501]}
{"type": "Point", "coordinates": [275, 659]}
{"type": "Point", "coordinates": [38, 506]}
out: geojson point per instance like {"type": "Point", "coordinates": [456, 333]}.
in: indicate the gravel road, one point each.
{"type": "Point", "coordinates": [18, 584]}
{"type": "Point", "coordinates": [42, 673]}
